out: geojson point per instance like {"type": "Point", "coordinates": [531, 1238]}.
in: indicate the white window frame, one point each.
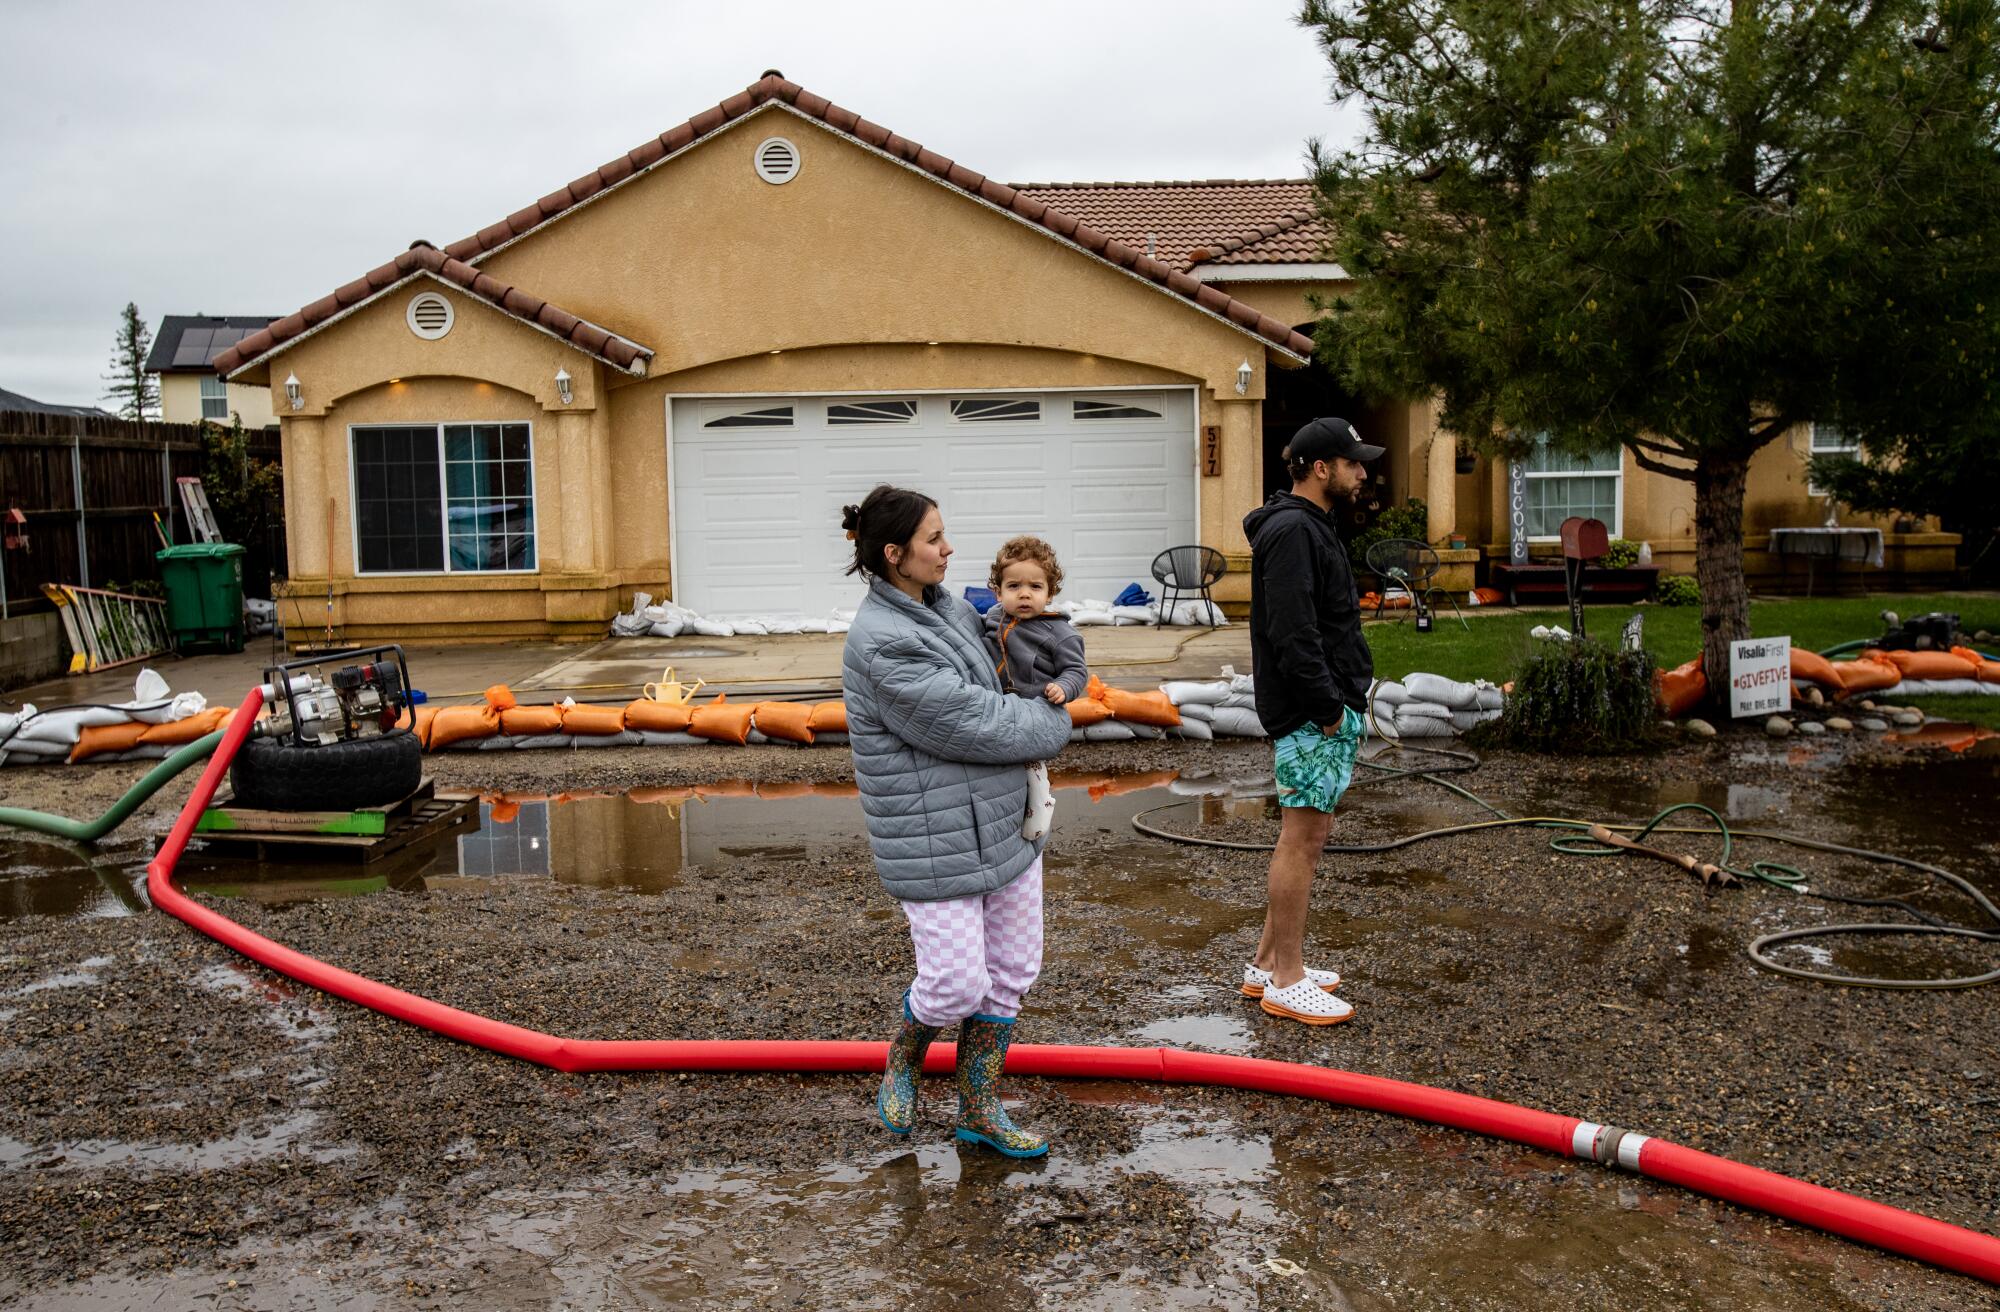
{"type": "Point", "coordinates": [1847, 446]}
{"type": "Point", "coordinates": [444, 503]}
{"type": "Point", "coordinates": [1617, 525]}
{"type": "Point", "coordinates": [220, 396]}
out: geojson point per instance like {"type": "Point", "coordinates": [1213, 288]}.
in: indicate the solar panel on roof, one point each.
{"type": "Point", "coordinates": [193, 348]}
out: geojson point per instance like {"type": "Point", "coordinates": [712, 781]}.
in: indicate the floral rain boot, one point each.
{"type": "Point", "coordinates": [896, 1103]}
{"type": "Point", "coordinates": [982, 1052]}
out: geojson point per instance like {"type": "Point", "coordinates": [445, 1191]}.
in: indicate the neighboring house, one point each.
{"type": "Point", "coordinates": [190, 388]}
{"type": "Point", "coordinates": [28, 404]}
{"type": "Point", "coordinates": [669, 375]}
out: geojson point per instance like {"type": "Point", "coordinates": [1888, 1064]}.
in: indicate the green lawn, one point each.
{"type": "Point", "coordinates": [1498, 640]}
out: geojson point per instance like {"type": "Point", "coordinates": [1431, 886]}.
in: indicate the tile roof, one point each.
{"type": "Point", "coordinates": [1218, 221]}
{"type": "Point", "coordinates": [422, 258]}
{"type": "Point", "coordinates": [15, 401]}
{"type": "Point", "coordinates": [773, 87]}
{"type": "Point", "coordinates": [185, 343]}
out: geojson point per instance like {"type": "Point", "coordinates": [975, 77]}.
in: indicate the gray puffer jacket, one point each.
{"type": "Point", "coordinates": [939, 750]}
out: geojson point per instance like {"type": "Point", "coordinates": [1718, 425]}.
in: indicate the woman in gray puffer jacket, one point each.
{"type": "Point", "coordinates": [940, 755]}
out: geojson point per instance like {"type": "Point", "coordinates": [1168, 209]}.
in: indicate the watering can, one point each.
{"type": "Point", "coordinates": [670, 689]}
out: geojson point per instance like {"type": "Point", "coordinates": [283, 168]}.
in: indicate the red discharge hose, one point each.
{"type": "Point", "coordinates": [1952, 1247]}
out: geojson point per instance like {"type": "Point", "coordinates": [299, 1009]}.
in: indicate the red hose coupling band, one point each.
{"type": "Point", "coordinates": [1607, 1145]}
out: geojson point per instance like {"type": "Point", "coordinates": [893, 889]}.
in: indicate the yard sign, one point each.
{"type": "Point", "coordinates": [1760, 676]}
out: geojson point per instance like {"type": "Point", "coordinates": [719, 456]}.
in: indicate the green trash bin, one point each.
{"type": "Point", "coordinates": [204, 585]}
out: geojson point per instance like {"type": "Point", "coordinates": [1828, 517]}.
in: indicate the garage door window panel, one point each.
{"type": "Point", "coordinates": [996, 410]}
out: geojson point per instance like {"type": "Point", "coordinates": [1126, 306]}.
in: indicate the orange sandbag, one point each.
{"type": "Point", "coordinates": [1989, 671]}
{"type": "Point", "coordinates": [1815, 667]}
{"type": "Point", "coordinates": [1866, 676]}
{"type": "Point", "coordinates": [1488, 596]}
{"type": "Point", "coordinates": [99, 739]}
{"type": "Point", "coordinates": [454, 724]}
{"type": "Point", "coordinates": [647, 716]}
{"type": "Point", "coordinates": [1931, 665]}
{"type": "Point", "coordinates": [828, 717]}
{"type": "Point", "coordinates": [1682, 688]}
{"type": "Point", "coordinates": [788, 722]}
{"type": "Point", "coordinates": [1086, 711]}
{"type": "Point", "coordinates": [520, 721]}
{"type": "Point", "coordinates": [593, 721]}
{"type": "Point", "coordinates": [503, 812]}
{"type": "Point", "coordinates": [178, 733]}
{"type": "Point", "coordinates": [721, 723]}
{"type": "Point", "coordinates": [1094, 690]}
{"type": "Point", "coordinates": [837, 790]}
{"type": "Point", "coordinates": [418, 721]}
{"type": "Point", "coordinates": [500, 697]}
{"type": "Point", "coordinates": [1142, 707]}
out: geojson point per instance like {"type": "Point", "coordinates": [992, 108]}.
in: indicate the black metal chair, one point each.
{"type": "Point", "coordinates": [1411, 565]}
{"type": "Point", "coordinates": [1181, 570]}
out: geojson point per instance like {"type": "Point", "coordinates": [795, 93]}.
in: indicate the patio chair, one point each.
{"type": "Point", "coordinates": [1411, 565]}
{"type": "Point", "coordinates": [1181, 570]}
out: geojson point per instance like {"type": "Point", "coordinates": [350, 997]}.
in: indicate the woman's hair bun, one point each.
{"type": "Point", "coordinates": [850, 518]}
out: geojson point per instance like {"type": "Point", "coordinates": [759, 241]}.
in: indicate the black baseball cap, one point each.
{"type": "Point", "coordinates": [1327, 439]}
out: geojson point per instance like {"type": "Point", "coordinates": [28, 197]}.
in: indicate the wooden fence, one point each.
{"type": "Point", "coordinates": [89, 488]}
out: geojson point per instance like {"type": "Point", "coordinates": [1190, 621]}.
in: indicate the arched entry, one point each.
{"type": "Point", "coordinates": [1294, 397]}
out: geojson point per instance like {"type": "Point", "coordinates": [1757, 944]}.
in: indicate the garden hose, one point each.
{"type": "Point", "coordinates": [89, 831]}
{"type": "Point", "coordinates": [1775, 873]}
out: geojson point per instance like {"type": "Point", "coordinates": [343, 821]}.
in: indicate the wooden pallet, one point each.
{"type": "Point", "coordinates": [425, 815]}
{"type": "Point", "coordinates": [368, 821]}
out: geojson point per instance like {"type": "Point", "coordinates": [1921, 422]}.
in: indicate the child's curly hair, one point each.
{"type": "Point", "coordinates": [1016, 550]}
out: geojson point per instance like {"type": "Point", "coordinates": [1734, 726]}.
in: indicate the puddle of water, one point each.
{"type": "Point", "coordinates": [291, 1136]}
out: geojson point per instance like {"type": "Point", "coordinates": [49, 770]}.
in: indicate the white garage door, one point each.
{"type": "Point", "coordinates": [1108, 478]}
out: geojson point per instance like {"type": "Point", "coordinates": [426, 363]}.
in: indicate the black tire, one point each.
{"type": "Point", "coordinates": [276, 774]}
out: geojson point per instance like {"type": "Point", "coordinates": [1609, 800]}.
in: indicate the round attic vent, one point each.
{"type": "Point", "coordinates": [777, 161]}
{"type": "Point", "coordinates": [430, 316]}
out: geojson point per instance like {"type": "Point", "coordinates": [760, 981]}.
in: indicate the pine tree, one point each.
{"type": "Point", "coordinates": [1681, 225]}
{"type": "Point", "coordinates": [136, 391]}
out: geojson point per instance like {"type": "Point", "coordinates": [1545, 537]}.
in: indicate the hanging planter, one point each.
{"type": "Point", "coordinates": [1465, 464]}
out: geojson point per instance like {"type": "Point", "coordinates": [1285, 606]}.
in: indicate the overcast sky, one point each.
{"type": "Point", "coordinates": [248, 158]}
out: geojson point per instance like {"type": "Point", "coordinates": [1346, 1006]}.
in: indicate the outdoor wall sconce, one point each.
{"type": "Point", "coordinates": [563, 388]}
{"type": "Point", "coordinates": [292, 392]}
{"type": "Point", "coordinates": [1243, 378]}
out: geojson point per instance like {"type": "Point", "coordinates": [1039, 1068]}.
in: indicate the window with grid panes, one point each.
{"type": "Point", "coordinates": [444, 497]}
{"type": "Point", "coordinates": [214, 397]}
{"type": "Point", "coordinates": [1561, 485]}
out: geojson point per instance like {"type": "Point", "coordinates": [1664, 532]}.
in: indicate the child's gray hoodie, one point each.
{"type": "Point", "coordinates": [1035, 652]}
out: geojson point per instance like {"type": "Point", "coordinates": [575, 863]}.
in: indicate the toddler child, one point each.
{"type": "Point", "coordinates": [1039, 653]}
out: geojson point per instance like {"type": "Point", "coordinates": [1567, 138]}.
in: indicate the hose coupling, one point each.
{"type": "Point", "coordinates": [1607, 1145]}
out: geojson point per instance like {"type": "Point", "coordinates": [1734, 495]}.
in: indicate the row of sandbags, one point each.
{"type": "Point", "coordinates": [1430, 706]}
{"type": "Point", "coordinates": [667, 620]}
{"type": "Point", "coordinates": [1874, 673]}
{"type": "Point", "coordinates": [155, 723]}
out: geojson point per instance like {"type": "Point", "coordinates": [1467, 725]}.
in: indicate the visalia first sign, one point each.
{"type": "Point", "coordinates": [1760, 676]}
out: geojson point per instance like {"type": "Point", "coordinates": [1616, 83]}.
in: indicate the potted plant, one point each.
{"type": "Point", "coordinates": [1466, 462]}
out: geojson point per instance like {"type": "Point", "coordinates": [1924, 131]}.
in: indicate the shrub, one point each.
{"type": "Point", "coordinates": [1409, 520]}
{"type": "Point", "coordinates": [1579, 696]}
{"type": "Point", "coordinates": [1623, 554]}
{"type": "Point", "coordinates": [1678, 590]}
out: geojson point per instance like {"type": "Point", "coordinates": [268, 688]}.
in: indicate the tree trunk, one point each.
{"type": "Point", "coordinates": [1718, 565]}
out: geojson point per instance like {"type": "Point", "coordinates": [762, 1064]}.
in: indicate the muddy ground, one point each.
{"type": "Point", "coordinates": [179, 1125]}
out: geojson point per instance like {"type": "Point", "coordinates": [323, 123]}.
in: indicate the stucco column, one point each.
{"type": "Point", "coordinates": [334, 503]}
{"type": "Point", "coordinates": [1242, 466]}
{"type": "Point", "coordinates": [305, 496]}
{"type": "Point", "coordinates": [1441, 489]}
{"type": "Point", "coordinates": [576, 498]}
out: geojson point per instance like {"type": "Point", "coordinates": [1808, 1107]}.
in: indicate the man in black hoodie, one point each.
{"type": "Point", "coordinates": [1312, 669]}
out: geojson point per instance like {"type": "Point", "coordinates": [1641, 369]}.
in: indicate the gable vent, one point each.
{"type": "Point", "coordinates": [777, 161]}
{"type": "Point", "coordinates": [430, 316]}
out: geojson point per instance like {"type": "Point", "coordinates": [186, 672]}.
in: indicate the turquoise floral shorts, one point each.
{"type": "Point", "coordinates": [1315, 768]}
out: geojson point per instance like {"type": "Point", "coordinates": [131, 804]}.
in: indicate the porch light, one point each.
{"type": "Point", "coordinates": [1243, 378]}
{"type": "Point", "coordinates": [563, 388]}
{"type": "Point", "coordinates": [292, 392]}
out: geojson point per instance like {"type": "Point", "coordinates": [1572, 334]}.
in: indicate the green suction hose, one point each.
{"type": "Point", "coordinates": [89, 831]}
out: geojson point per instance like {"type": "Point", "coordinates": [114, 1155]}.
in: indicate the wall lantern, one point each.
{"type": "Point", "coordinates": [292, 392]}
{"type": "Point", "coordinates": [563, 388]}
{"type": "Point", "coordinates": [1243, 372]}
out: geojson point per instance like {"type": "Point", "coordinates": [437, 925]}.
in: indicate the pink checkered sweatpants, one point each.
{"type": "Point", "coordinates": [977, 955]}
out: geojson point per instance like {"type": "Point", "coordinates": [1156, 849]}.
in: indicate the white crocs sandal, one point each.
{"type": "Point", "coordinates": [1255, 981]}
{"type": "Point", "coordinates": [1306, 1002]}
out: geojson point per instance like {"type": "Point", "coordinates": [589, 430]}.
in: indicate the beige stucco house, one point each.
{"type": "Point", "coordinates": [670, 374]}
{"type": "Point", "coordinates": [190, 388]}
